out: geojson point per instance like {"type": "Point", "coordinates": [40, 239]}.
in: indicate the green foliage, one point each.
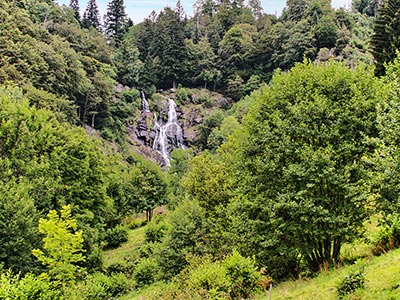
{"type": "Point", "coordinates": [18, 227]}
{"type": "Point", "coordinates": [44, 166]}
{"type": "Point", "coordinates": [155, 231]}
{"type": "Point", "coordinates": [91, 16]}
{"type": "Point", "coordinates": [386, 159]}
{"type": "Point", "coordinates": [115, 21]}
{"type": "Point", "coordinates": [175, 173]}
{"type": "Point", "coordinates": [351, 283]}
{"type": "Point", "coordinates": [145, 272]}
{"type": "Point", "coordinates": [301, 158]}
{"type": "Point", "coordinates": [209, 182]}
{"type": "Point", "coordinates": [116, 236]}
{"type": "Point", "coordinates": [221, 134]}
{"type": "Point", "coordinates": [29, 287]}
{"type": "Point", "coordinates": [235, 277]}
{"type": "Point", "coordinates": [389, 236]}
{"type": "Point", "coordinates": [186, 235]}
{"type": "Point", "coordinates": [243, 275]}
{"type": "Point", "coordinates": [149, 188]}
{"type": "Point", "coordinates": [206, 278]}
{"type": "Point", "coordinates": [210, 122]}
{"type": "Point", "coordinates": [385, 40]}
{"type": "Point", "coordinates": [63, 246]}
{"type": "Point", "coordinates": [99, 287]}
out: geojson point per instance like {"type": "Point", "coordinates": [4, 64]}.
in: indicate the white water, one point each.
{"type": "Point", "coordinates": [145, 104]}
{"type": "Point", "coordinates": [169, 136]}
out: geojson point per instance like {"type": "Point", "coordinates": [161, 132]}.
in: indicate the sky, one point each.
{"type": "Point", "coordinates": [137, 10]}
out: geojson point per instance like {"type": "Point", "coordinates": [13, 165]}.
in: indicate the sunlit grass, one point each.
{"type": "Point", "coordinates": [128, 250]}
{"type": "Point", "coordinates": [382, 276]}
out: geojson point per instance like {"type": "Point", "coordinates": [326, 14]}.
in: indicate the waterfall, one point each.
{"type": "Point", "coordinates": [145, 104]}
{"type": "Point", "coordinates": [169, 136]}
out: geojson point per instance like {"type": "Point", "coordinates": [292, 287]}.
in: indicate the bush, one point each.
{"type": "Point", "coordinates": [182, 95]}
{"type": "Point", "coordinates": [235, 277]}
{"type": "Point", "coordinates": [155, 231]}
{"type": "Point", "coordinates": [94, 260]}
{"type": "Point", "coordinates": [126, 266]}
{"type": "Point", "coordinates": [29, 287]}
{"type": "Point", "coordinates": [389, 236]}
{"type": "Point", "coordinates": [135, 223]}
{"type": "Point", "coordinates": [98, 287]}
{"type": "Point", "coordinates": [206, 279]}
{"type": "Point", "coordinates": [145, 272]}
{"type": "Point", "coordinates": [349, 284]}
{"type": "Point", "coordinates": [116, 236]}
{"type": "Point", "coordinates": [242, 274]}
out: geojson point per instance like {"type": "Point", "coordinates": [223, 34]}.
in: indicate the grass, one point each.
{"type": "Point", "coordinates": [382, 276]}
{"type": "Point", "coordinates": [382, 273]}
{"type": "Point", "coordinates": [128, 250]}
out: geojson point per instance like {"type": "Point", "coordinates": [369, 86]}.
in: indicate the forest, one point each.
{"type": "Point", "coordinates": [214, 156]}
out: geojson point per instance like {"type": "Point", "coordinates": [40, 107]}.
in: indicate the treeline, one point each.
{"type": "Point", "coordinates": [233, 46]}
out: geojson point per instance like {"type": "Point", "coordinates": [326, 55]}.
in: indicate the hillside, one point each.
{"type": "Point", "coordinates": [381, 281]}
{"type": "Point", "coordinates": [199, 157]}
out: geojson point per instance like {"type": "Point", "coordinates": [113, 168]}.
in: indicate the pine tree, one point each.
{"type": "Point", "coordinates": [386, 38]}
{"type": "Point", "coordinates": [74, 4]}
{"type": "Point", "coordinates": [91, 16]}
{"type": "Point", "coordinates": [115, 21]}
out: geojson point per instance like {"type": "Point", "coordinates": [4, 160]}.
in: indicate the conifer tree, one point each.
{"type": "Point", "coordinates": [91, 16]}
{"type": "Point", "coordinates": [386, 38]}
{"type": "Point", "coordinates": [115, 21]}
{"type": "Point", "coordinates": [74, 4]}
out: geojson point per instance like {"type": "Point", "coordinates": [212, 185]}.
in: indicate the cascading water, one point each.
{"type": "Point", "coordinates": [145, 104]}
{"type": "Point", "coordinates": [169, 136]}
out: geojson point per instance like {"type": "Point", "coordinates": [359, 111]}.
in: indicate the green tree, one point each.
{"type": "Point", "coordinates": [301, 158]}
{"type": "Point", "coordinates": [295, 9]}
{"type": "Point", "coordinates": [384, 177]}
{"type": "Point", "coordinates": [235, 48]}
{"type": "Point", "coordinates": [171, 52]}
{"type": "Point", "coordinates": [91, 16]}
{"type": "Point", "coordinates": [202, 62]}
{"type": "Point", "coordinates": [74, 5]}
{"type": "Point", "coordinates": [63, 246]}
{"type": "Point", "coordinates": [368, 7]}
{"type": "Point", "coordinates": [149, 189]}
{"type": "Point", "coordinates": [129, 66]}
{"type": "Point", "coordinates": [18, 222]}
{"type": "Point", "coordinates": [115, 21]}
{"type": "Point", "coordinates": [386, 38]}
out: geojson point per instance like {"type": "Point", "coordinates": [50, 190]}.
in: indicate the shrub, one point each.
{"type": "Point", "coordinates": [26, 288]}
{"type": "Point", "coordinates": [145, 272]}
{"type": "Point", "coordinates": [126, 266]}
{"type": "Point", "coordinates": [98, 287]}
{"type": "Point", "coordinates": [155, 231]}
{"type": "Point", "coordinates": [116, 236]}
{"type": "Point", "coordinates": [206, 279]}
{"type": "Point", "coordinates": [389, 236]}
{"type": "Point", "coordinates": [235, 277]}
{"type": "Point", "coordinates": [349, 284]}
{"type": "Point", "coordinates": [242, 274]}
{"type": "Point", "coordinates": [182, 95]}
{"type": "Point", "coordinates": [135, 223]}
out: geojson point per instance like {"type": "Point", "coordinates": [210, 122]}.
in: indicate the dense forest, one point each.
{"type": "Point", "coordinates": [247, 148]}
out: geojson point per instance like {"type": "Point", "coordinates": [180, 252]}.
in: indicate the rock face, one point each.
{"type": "Point", "coordinates": [157, 134]}
{"type": "Point", "coordinates": [144, 125]}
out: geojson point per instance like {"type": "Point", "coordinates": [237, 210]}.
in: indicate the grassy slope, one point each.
{"type": "Point", "coordinates": [382, 282]}
{"type": "Point", "coordinates": [382, 275]}
{"type": "Point", "coordinates": [128, 250]}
